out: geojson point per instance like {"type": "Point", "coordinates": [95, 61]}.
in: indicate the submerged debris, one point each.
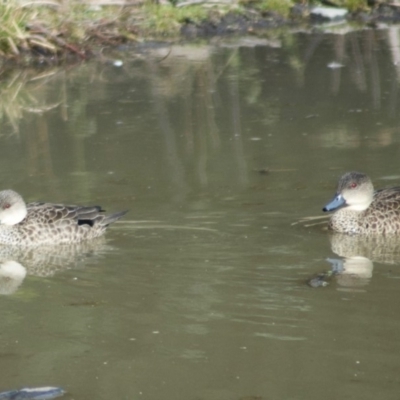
{"type": "Point", "coordinates": [41, 393]}
{"type": "Point", "coordinates": [262, 171]}
{"type": "Point", "coordinates": [319, 280]}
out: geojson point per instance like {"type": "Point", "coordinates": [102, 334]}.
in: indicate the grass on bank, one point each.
{"type": "Point", "coordinates": [167, 20]}
{"type": "Point", "coordinates": [281, 7]}
{"type": "Point", "coordinates": [46, 27]}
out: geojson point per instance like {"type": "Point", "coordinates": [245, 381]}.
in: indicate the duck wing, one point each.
{"type": "Point", "coordinates": [59, 213]}
{"type": "Point", "coordinates": [388, 198]}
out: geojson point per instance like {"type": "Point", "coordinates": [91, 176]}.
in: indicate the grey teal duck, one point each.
{"type": "Point", "coordinates": [37, 224]}
{"type": "Point", "coordinates": [358, 209]}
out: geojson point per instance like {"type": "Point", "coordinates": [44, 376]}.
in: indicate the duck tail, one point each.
{"type": "Point", "coordinates": [109, 219]}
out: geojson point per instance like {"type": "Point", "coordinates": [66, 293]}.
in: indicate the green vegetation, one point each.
{"type": "Point", "coordinates": [356, 5]}
{"type": "Point", "coordinates": [281, 7]}
{"type": "Point", "coordinates": [13, 27]}
{"type": "Point", "coordinates": [351, 5]}
{"type": "Point", "coordinates": [166, 20]}
{"type": "Point", "coordinates": [46, 27]}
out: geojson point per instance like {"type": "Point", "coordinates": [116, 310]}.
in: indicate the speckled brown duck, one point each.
{"type": "Point", "coordinates": [361, 210]}
{"type": "Point", "coordinates": [37, 224]}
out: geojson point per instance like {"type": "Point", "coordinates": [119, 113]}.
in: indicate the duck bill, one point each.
{"type": "Point", "coordinates": [337, 202]}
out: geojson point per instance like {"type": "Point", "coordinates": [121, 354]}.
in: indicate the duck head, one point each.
{"type": "Point", "coordinates": [354, 191]}
{"type": "Point", "coordinates": [12, 208]}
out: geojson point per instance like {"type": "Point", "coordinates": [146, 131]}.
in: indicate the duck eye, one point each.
{"type": "Point", "coordinates": [353, 185]}
{"type": "Point", "coordinates": [7, 205]}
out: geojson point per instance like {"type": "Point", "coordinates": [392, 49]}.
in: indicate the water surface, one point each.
{"type": "Point", "coordinates": [200, 291]}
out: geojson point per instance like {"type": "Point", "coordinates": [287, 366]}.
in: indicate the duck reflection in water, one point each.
{"type": "Point", "coordinates": [44, 261]}
{"type": "Point", "coordinates": [357, 254]}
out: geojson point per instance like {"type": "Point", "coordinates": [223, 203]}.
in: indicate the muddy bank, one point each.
{"type": "Point", "coordinates": [256, 22]}
{"type": "Point", "coordinates": [249, 22]}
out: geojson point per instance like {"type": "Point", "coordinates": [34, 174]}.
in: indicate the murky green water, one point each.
{"type": "Point", "coordinates": [200, 291]}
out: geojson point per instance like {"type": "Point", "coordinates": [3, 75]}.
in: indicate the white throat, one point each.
{"type": "Point", "coordinates": [358, 206]}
